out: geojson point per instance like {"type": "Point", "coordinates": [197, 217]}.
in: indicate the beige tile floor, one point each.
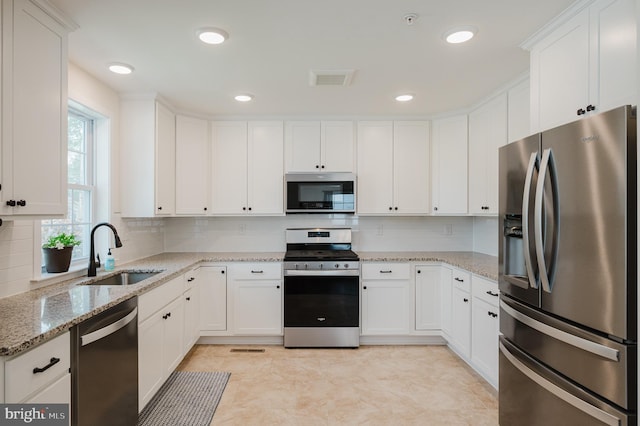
{"type": "Point", "coordinates": [372, 385]}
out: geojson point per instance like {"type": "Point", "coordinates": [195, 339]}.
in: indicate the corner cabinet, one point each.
{"type": "Point", "coordinates": [34, 110]}
{"type": "Point", "coordinates": [449, 147]}
{"type": "Point", "coordinates": [586, 65]}
{"type": "Point", "coordinates": [247, 168]}
{"type": "Point", "coordinates": [147, 158]}
{"type": "Point", "coordinates": [487, 133]}
{"type": "Point", "coordinates": [319, 146]}
{"type": "Point", "coordinates": [393, 167]}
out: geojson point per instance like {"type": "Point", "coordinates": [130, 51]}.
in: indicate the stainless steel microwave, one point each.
{"type": "Point", "coordinates": [320, 192]}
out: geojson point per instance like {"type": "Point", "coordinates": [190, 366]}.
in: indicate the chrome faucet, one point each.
{"type": "Point", "coordinates": [92, 252]}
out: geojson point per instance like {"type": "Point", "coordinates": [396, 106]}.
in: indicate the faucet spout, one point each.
{"type": "Point", "coordinates": [92, 251]}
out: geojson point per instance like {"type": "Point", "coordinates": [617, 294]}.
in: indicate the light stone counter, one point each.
{"type": "Point", "coordinates": [477, 263]}
{"type": "Point", "coordinates": [30, 318]}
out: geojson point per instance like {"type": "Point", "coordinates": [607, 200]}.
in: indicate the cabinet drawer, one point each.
{"type": "Point", "coordinates": [461, 279]}
{"type": "Point", "coordinates": [385, 271]}
{"type": "Point", "coordinates": [256, 271]}
{"type": "Point", "coordinates": [20, 379]}
{"type": "Point", "coordinates": [486, 290]}
{"type": "Point", "coordinates": [155, 299]}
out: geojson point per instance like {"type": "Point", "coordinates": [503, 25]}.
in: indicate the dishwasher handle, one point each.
{"type": "Point", "coordinates": [109, 329]}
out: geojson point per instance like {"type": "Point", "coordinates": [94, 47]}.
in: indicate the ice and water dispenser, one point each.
{"type": "Point", "coordinates": [513, 246]}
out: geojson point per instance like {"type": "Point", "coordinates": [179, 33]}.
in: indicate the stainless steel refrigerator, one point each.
{"type": "Point", "coordinates": [568, 274]}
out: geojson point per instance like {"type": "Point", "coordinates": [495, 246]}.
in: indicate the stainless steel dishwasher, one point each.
{"type": "Point", "coordinates": [104, 367]}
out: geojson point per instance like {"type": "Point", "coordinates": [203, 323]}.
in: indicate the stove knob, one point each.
{"type": "Point", "coordinates": [337, 265]}
{"type": "Point", "coordinates": [306, 266]}
{"type": "Point", "coordinates": [321, 265]}
{"type": "Point", "coordinates": [346, 265]}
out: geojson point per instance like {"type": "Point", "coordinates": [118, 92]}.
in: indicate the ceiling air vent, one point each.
{"type": "Point", "coordinates": [330, 77]}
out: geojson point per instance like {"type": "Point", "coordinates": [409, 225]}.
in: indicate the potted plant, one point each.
{"type": "Point", "coordinates": [57, 252]}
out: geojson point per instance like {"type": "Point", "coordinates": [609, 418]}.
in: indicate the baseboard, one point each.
{"type": "Point", "coordinates": [364, 340]}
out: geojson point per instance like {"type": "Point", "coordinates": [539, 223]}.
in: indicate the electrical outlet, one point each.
{"type": "Point", "coordinates": [448, 229]}
{"type": "Point", "coordinates": [380, 230]}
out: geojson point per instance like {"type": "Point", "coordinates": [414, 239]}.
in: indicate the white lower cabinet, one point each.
{"type": "Point", "coordinates": [386, 299]}
{"type": "Point", "coordinates": [213, 298]}
{"type": "Point", "coordinates": [160, 337]}
{"type": "Point", "coordinates": [256, 298]}
{"type": "Point", "coordinates": [191, 297]}
{"type": "Point", "coordinates": [485, 328]}
{"type": "Point", "coordinates": [50, 384]}
{"type": "Point", "coordinates": [446, 300]}
{"type": "Point", "coordinates": [461, 309]}
{"type": "Point", "coordinates": [428, 304]}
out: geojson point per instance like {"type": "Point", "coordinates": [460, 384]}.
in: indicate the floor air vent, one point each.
{"type": "Point", "coordinates": [247, 350]}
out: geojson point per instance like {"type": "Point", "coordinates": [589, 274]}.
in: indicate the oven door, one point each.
{"type": "Point", "coordinates": [321, 300]}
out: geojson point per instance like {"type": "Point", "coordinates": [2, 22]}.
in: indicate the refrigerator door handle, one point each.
{"type": "Point", "coordinates": [546, 166]}
{"type": "Point", "coordinates": [528, 260]}
{"type": "Point", "coordinates": [563, 336]}
{"type": "Point", "coordinates": [581, 405]}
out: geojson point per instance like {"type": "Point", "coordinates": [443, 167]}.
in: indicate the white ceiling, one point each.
{"type": "Point", "coordinates": [273, 44]}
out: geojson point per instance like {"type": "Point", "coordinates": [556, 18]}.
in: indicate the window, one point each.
{"type": "Point", "coordinates": [80, 184]}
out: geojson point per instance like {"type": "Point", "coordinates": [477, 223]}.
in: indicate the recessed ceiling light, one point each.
{"type": "Point", "coordinates": [404, 98]}
{"type": "Point", "coordinates": [460, 34]}
{"type": "Point", "coordinates": [243, 98]}
{"type": "Point", "coordinates": [120, 68]}
{"type": "Point", "coordinates": [212, 35]}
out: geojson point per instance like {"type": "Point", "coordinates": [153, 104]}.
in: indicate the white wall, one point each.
{"type": "Point", "coordinates": [248, 234]}
{"type": "Point", "coordinates": [485, 235]}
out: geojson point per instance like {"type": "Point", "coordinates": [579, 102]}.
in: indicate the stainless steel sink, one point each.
{"type": "Point", "coordinates": [125, 278]}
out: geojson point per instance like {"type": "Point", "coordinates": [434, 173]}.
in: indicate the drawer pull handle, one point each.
{"type": "Point", "coordinates": [257, 272]}
{"type": "Point", "coordinates": [389, 271]}
{"type": "Point", "coordinates": [53, 361]}
{"type": "Point", "coordinates": [490, 293]}
{"type": "Point", "coordinates": [460, 280]}
{"type": "Point", "coordinates": [492, 314]}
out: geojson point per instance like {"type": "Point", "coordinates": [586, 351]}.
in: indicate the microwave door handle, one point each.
{"type": "Point", "coordinates": [528, 260]}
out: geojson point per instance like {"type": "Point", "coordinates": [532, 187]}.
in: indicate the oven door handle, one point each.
{"type": "Point", "coordinates": [326, 273]}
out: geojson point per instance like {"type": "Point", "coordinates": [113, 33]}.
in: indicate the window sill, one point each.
{"type": "Point", "coordinates": [45, 278]}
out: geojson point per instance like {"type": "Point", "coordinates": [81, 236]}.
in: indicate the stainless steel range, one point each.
{"type": "Point", "coordinates": [321, 289]}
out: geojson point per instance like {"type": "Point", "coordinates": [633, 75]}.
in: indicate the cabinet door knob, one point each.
{"type": "Point", "coordinates": [277, 286]}
{"type": "Point", "coordinates": [160, 208]}
{"type": "Point", "coordinates": [435, 209]}
{"type": "Point", "coordinates": [249, 208]}
{"type": "Point", "coordinates": [22, 203]}
{"type": "Point", "coordinates": [317, 166]}
{"type": "Point", "coordinates": [419, 271]}
{"type": "Point", "coordinates": [205, 209]}
{"type": "Point", "coordinates": [581, 111]}
{"type": "Point", "coordinates": [390, 208]}
{"type": "Point", "coordinates": [322, 167]}
{"type": "Point", "coordinates": [591, 108]}
{"type": "Point", "coordinates": [364, 287]}
{"type": "Point", "coordinates": [11, 203]}
{"type": "Point", "coordinates": [188, 299]}
{"type": "Point", "coordinates": [396, 208]}
{"type": "Point", "coordinates": [465, 300]}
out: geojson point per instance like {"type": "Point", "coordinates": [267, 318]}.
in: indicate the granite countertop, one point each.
{"type": "Point", "coordinates": [476, 263]}
{"type": "Point", "coordinates": [30, 318]}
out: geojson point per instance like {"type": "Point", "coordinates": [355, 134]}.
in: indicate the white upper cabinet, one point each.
{"type": "Point", "coordinates": [34, 111]}
{"type": "Point", "coordinates": [393, 167]}
{"type": "Point", "coordinates": [487, 133]}
{"type": "Point", "coordinates": [147, 158]}
{"type": "Point", "coordinates": [449, 165]}
{"type": "Point", "coordinates": [247, 168]}
{"type": "Point", "coordinates": [519, 114]}
{"type": "Point", "coordinates": [585, 65]}
{"type": "Point", "coordinates": [319, 146]}
{"type": "Point", "coordinates": [192, 166]}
